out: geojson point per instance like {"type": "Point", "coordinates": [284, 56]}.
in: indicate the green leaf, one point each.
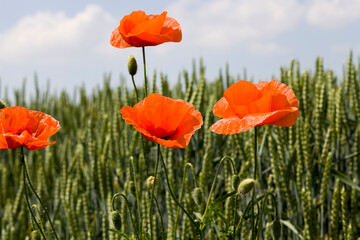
{"type": "Point", "coordinates": [292, 228]}
{"type": "Point", "coordinates": [345, 179]}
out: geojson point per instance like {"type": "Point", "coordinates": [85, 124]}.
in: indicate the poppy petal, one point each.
{"type": "Point", "coordinates": [164, 120]}
{"type": "Point", "coordinates": [22, 127]}
{"type": "Point", "coordinates": [223, 109]}
{"type": "Point", "coordinates": [231, 126]}
{"type": "Point", "coordinates": [271, 117]}
{"type": "Point", "coordinates": [242, 93]}
{"type": "Point", "coordinates": [138, 30]}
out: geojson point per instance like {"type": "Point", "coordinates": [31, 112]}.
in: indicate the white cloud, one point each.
{"type": "Point", "coordinates": [48, 37]}
{"type": "Point", "coordinates": [333, 13]}
{"type": "Point", "coordinates": [228, 23]}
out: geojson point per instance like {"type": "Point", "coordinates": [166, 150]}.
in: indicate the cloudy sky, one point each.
{"type": "Point", "coordinates": [68, 41]}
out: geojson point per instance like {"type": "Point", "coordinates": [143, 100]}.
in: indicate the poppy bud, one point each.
{"type": "Point", "coordinates": [150, 182]}
{"type": "Point", "coordinates": [132, 65]}
{"type": "Point", "coordinates": [235, 181]}
{"type": "Point", "coordinates": [35, 235]}
{"type": "Point", "coordinates": [132, 188]}
{"type": "Point", "coordinates": [116, 219]}
{"type": "Point", "coordinates": [245, 186]}
{"type": "Point", "coordinates": [276, 229]}
{"type": "Point", "coordinates": [198, 196]}
{"type": "Point", "coordinates": [2, 104]}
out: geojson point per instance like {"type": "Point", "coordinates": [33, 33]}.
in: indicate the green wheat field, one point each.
{"type": "Point", "coordinates": [312, 168]}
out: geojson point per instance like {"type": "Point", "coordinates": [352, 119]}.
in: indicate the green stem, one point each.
{"type": "Point", "coordinates": [263, 209]}
{"type": "Point", "coordinates": [136, 91]}
{"type": "Point", "coordinates": [188, 165]}
{"type": "Point", "coordinates": [129, 208]}
{"type": "Point", "coordinates": [26, 196]}
{"type": "Point", "coordinates": [145, 78]}
{"type": "Point", "coordinates": [235, 214]}
{"type": "Point", "coordinates": [137, 195]}
{"type": "Point", "coordinates": [37, 196]}
{"type": "Point", "coordinates": [176, 201]}
{"type": "Point", "coordinates": [253, 193]}
{"type": "Point", "coordinates": [161, 219]}
{"type": "Point", "coordinates": [213, 184]}
{"type": "Point", "coordinates": [38, 213]}
{"type": "Point", "coordinates": [153, 189]}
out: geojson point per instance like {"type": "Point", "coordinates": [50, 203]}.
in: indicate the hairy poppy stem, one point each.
{"type": "Point", "coordinates": [263, 209]}
{"type": "Point", "coordinates": [188, 165]}
{"type": "Point", "coordinates": [161, 219]}
{"type": "Point", "coordinates": [145, 78]}
{"type": "Point", "coordinates": [129, 208]}
{"type": "Point", "coordinates": [153, 189]}
{"type": "Point", "coordinates": [135, 88]}
{"type": "Point", "coordinates": [22, 160]}
{"type": "Point", "coordinates": [137, 194]}
{"type": "Point", "coordinates": [38, 213]}
{"type": "Point", "coordinates": [33, 190]}
{"type": "Point", "coordinates": [213, 184]}
{"type": "Point", "coordinates": [253, 193]}
{"type": "Point", "coordinates": [176, 201]}
{"type": "Point", "coordinates": [235, 217]}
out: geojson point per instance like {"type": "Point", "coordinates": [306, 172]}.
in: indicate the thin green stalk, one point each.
{"type": "Point", "coordinates": [259, 219]}
{"type": "Point", "coordinates": [253, 193]}
{"type": "Point", "coordinates": [33, 190]}
{"type": "Point", "coordinates": [161, 219]}
{"type": "Point", "coordinates": [176, 201]}
{"type": "Point", "coordinates": [188, 165]}
{"type": "Point", "coordinates": [153, 188]}
{"type": "Point", "coordinates": [137, 195]}
{"type": "Point", "coordinates": [235, 214]}
{"type": "Point", "coordinates": [26, 196]}
{"type": "Point", "coordinates": [145, 78]}
{"type": "Point", "coordinates": [213, 184]}
{"type": "Point", "coordinates": [129, 208]}
{"type": "Point", "coordinates": [38, 213]}
{"type": "Point", "coordinates": [136, 91]}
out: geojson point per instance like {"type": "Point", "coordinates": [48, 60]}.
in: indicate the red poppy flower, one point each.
{"type": "Point", "coordinates": [246, 105]}
{"type": "Point", "coordinates": [164, 120]}
{"type": "Point", "coordinates": [22, 127]}
{"type": "Point", "coordinates": [138, 30]}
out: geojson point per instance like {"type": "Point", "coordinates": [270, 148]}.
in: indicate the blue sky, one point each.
{"type": "Point", "coordinates": [68, 41]}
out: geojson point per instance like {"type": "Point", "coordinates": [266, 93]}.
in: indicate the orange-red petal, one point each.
{"type": "Point", "coordinates": [22, 127]}
{"type": "Point", "coordinates": [246, 105]}
{"type": "Point", "coordinates": [138, 29]}
{"type": "Point", "coordinates": [164, 120]}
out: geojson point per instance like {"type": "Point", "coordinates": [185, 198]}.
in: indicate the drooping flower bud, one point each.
{"type": "Point", "coordinates": [116, 219]}
{"type": "Point", "coordinates": [150, 182]}
{"type": "Point", "coordinates": [35, 235]}
{"type": "Point", "coordinates": [198, 196]}
{"type": "Point", "coordinates": [132, 65]}
{"type": "Point", "coordinates": [276, 229]}
{"type": "Point", "coordinates": [246, 186]}
{"type": "Point", "coordinates": [235, 180]}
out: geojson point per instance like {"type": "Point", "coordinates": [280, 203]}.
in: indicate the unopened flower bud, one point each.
{"type": "Point", "coordinates": [132, 65]}
{"type": "Point", "coordinates": [116, 219]}
{"type": "Point", "coordinates": [246, 186]}
{"type": "Point", "coordinates": [235, 180]}
{"type": "Point", "coordinates": [35, 235]}
{"type": "Point", "coordinates": [150, 182]}
{"type": "Point", "coordinates": [276, 229]}
{"type": "Point", "coordinates": [198, 196]}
